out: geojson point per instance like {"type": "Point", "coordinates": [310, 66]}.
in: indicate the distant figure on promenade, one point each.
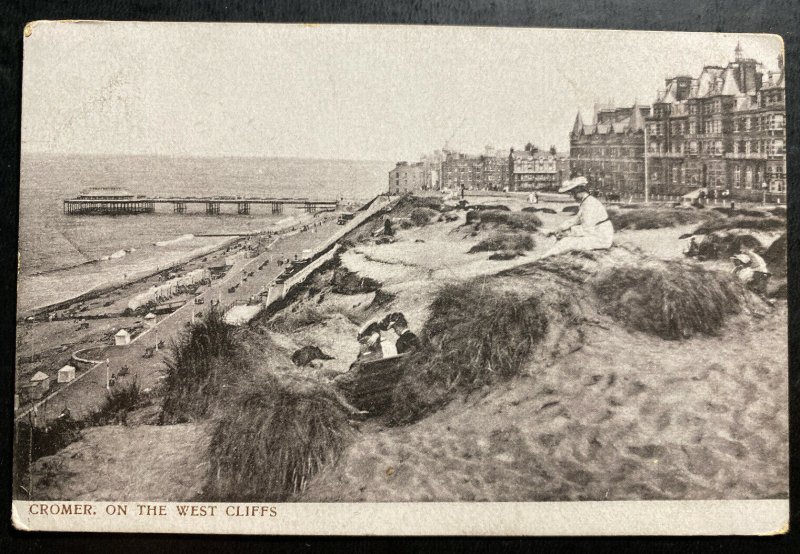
{"type": "Point", "coordinates": [751, 269]}
{"type": "Point", "coordinates": [589, 229]}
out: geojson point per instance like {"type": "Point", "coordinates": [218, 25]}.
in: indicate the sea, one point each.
{"type": "Point", "coordinates": [51, 240]}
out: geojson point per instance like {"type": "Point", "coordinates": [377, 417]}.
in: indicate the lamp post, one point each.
{"type": "Point", "coordinates": [646, 169]}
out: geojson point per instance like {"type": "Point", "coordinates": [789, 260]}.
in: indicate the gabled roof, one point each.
{"type": "Point", "coordinates": [729, 86]}
{"type": "Point", "coordinates": [637, 119]}
{"type": "Point", "coordinates": [705, 83]}
{"type": "Point", "coordinates": [39, 376]}
{"type": "Point", "coordinates": [578, 126]}
{"type": "Point", "coordinates": [121, 333]}
{"type": "Point", "coordinates": [668, 95]}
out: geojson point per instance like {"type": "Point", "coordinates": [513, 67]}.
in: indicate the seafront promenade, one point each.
{"type": "Point", "coordinates": [251, 277]}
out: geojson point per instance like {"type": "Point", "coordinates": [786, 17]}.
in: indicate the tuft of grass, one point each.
{"type": "Point", "coordinates": [718, 246]}
{"type": "Point", "coordinates": [492, 207]}
{"type": "Point", "coordinates": [655, 218]}
{"type": "Point", "coordinates": [775, 257]}
{"type": "Point", "coordinates": [205, 359]}
{"type": "Point", "coordinates": [475, 336]}
{"type": "Point", "coordinates": [525, 221]}
{"type": "Point", "coordinates": [505, 241]}
{"type": "Point", "coordinates": [542, 210]}
{"type": "Point", "coordinates": [32, 442]}
{"type": "Point", "coordinates": [423, 216]}
{"type": "Point", "coordinates": [346, 282]}
{"type": "Point", "coordinates": [273, 439]}
{"type": "Point", "coordinates": [741, 222]}
{"type": "Point", "coordinates": [430, 202]}
{"type": "Point", "coordinates": [740, 212]}
{"type": "Point", "coordinates": [118, 402]}
{"type": "Point", "coordinates": [674, 300]}
{"type": "Point", "coordinates": [287, 321]}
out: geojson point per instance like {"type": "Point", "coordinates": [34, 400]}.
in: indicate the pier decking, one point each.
{"type": "Point", "coordinates": [119, 205]}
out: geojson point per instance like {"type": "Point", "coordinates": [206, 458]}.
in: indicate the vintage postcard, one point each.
{"type": "Point", "coordinates": [401, 280]}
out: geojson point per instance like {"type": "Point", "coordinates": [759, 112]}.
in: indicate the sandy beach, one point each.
{"type": "Point", "coordinates": [37, 292]}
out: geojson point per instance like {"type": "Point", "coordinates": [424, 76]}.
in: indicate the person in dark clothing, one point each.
{"type": "Point", "coordinates": [406, 340]}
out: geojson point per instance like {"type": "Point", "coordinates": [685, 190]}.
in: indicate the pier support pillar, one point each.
{"type": "Point", "coordinates": [243, 208]}
{"type": "Point", "coordinates": [277, 208]}
{"type": "Point", "coordinates": [212, 208]}
{"type": "Point", "coordinates": [180, 207]}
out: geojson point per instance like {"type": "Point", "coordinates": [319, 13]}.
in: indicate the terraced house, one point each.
{"type": "Point", "coordinates": [488, 171]}
{"type": "Point", "coordinates": [723, 131]}
{"type": "Point", "coordinates": [609, 152]}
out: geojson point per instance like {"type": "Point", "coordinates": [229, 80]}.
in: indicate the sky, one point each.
{"type": "Point", "coordinates": [365, 92]}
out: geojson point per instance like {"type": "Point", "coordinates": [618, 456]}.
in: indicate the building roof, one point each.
{"type": "Point", "coordinates": [729, 85]}
{"type": "Point", "coordinates": [39, 376]}
{"type": "Point", "coordinates": [68, 368]}
{"type": "Point", "coordinates": [121, 333]}
{"type": "Point", "coordinates": [636, 121]}
{"type": "Point", "coordinates": [578, 125]}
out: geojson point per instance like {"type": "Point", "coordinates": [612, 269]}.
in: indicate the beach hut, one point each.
{"type": "Point", "coordinates": [66, 374]}
{"type": "Point", "coordinates": [122, 338]}
{"type": "Point", "coordinates": [39, 385]}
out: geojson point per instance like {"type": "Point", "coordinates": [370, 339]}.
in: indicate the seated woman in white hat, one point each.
{"type": "Point", "coordinates": [589, 229]}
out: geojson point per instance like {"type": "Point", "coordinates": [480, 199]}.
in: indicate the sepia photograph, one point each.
{"type": "Point", "coordinates": [379, 279]}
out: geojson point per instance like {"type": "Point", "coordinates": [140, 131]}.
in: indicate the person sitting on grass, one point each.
{"type": "Point", "coordinates": [369, 337]}
{"type": "Point", "coordinates": [589, 229]}
{"type": "Point", "coordinates": [692, 249]}
{"type": "Point", "coordinates": [751, 269]}
{"type": "Point", "coordinates": [406, 340]}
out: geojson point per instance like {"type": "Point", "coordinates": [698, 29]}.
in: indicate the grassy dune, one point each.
{"type": "Point", "coordinates": [589, 376]}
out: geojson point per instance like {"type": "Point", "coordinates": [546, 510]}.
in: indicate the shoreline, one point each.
{"type": "Point", "coordinates": [153, 269]}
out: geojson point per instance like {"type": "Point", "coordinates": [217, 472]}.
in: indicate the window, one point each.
{"type": "Point", "coordinates": [737, 176]}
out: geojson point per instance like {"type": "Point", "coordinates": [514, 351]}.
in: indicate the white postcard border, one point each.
{"type": "Point", "coordinates": [700, 517]}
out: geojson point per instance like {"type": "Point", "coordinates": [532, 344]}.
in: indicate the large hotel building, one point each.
{"type": "Point", "coordinates": [724, 130]}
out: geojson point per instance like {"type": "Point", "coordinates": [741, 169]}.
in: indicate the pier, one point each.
{"type": "Point", "coordinates": [121, 202]}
